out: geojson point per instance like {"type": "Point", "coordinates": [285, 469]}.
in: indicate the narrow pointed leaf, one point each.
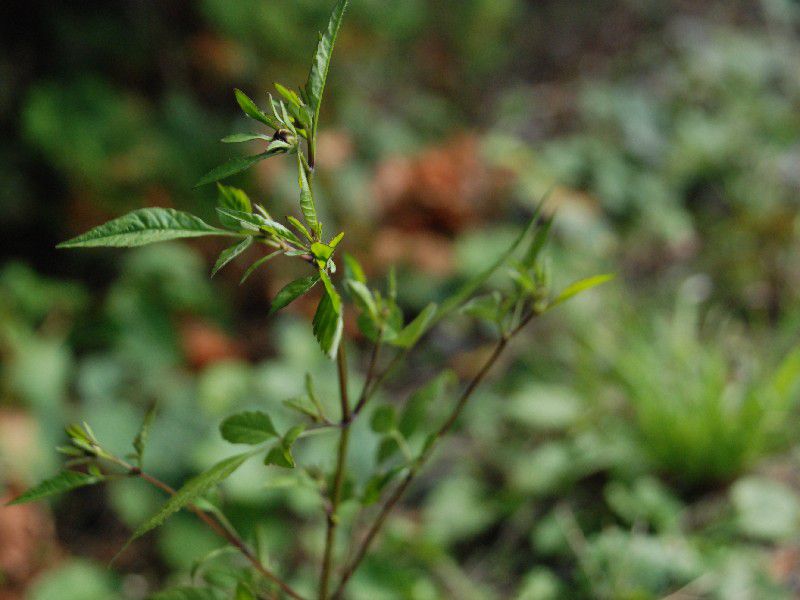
{"type": "Point", "coordinates": [261, 261]}
{"type": "Point", "coordinates": [144, 226]}
{"type": "Point", "coordinates": [292, 292]}
{"type": "Point", "coordinates": [238, 138]}
{"type": "Point", "coordinates": [300, 227]}
{"type": "Point", "coordinates": [362, 297]}
{"type": "Point", "coordinates": [248, 428]}
{"type": "Point", "coordinates": [578, 287]}
{"type": "Point", "coordinates": [231, 253]}
{"type": "Point", "coordinates": [140, 441]}
{"type": "Point", "coordinates": [322, 61]}
{"type": "Point", "coordinates": [191, 491]}
{"type": "Point", "coordinates": [63, 482]}
{"type": "Point", "coordinates": [328, 322]}
{"type": "Point", "coordinates": [232, 167]}
{"type": "Point", "coordinates": [307, 199]}
{"type": "Point", "coordinates": [251, 110]}
{"type": "Point", "coordinates": [411, 333]}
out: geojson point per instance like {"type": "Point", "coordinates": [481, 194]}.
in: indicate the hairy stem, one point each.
{"type": "Point", "coordinates": [338, 478]}
{"type": "Point", "coordinates": [227, 533]}
{"type": "Point", "coordinates": [443, 430]}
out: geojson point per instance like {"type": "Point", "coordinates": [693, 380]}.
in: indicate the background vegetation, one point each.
{"type": "Point", "coordinates": [643, 442]}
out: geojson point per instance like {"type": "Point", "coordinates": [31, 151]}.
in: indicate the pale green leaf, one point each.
{"type": "Point", "coordinates": [238, 138]}
{"type": "Point", "coordinates": [251, 110]}
{"type": "Point", "coordinates": [410, 334]}
{"type": "Point", "coordinates": [63, 482]}
{"type": "Point", "coordinates": [292, 292]}
{"type": "Point", "coordinates": [251, 428]}
{"type": "Point", "coordinates": [144, 226]}
{"type": "Point", "coordinates": [361, 296]}
{"type": "Point", "coordinates": [231, 253]}
{"type": "Point", "coordinates": [578, 287]}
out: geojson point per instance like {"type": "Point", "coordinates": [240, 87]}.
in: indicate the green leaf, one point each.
{"type": "Point", "coordinates": [233, 198]}
{"type": "Point", "coordinates": [537, 244]}
{"type": "Point", "coordinates": [140, 441]}
{"type": "Point", "coordinates": [307, 199]}
{"type": "Point", "coordinates": [322, 252]}
{"type": "Point", "coordinates": [376, 484]}
{"type": "Point", "coordinates": [63, 482]}
{"type": "Point", "coordinates": [237, 138]}
{"type": "Point", "coordinates": [144, 226]}
{"type": "Point", "coordinates": [322, 61]}
{"type": "Point", "coordinates": [328, 322]}
{"type": "Point", "coordinates": [578, 287]}
{"type": "Point", "coordinates": [256, 222]}
{"type": "Point", "coordinates": [186, 593]}
{"type": "Point", "coordinates": [411, 333]}
{"type": "Point", "coordinates": [232, 167]}
{"type": "Point", "coordinates": [300, 227]}
{"type": "Point", "coordinates": [383, 419]}
{"type": "Point", "coordinates": [251, 110]}
{"type": "Point", "coordinates": [292, 292]}
{"type": "Point", "coordinates": [362, 297]}
{"type": "Point", "coordinates": [261, 261]}
{"type": "Point", "coordinates": [248, 428]}
{"type": "Point", "coordinates": [416, 410]}
{"type": "Point", "coordinates": [486, 307]}
{"type": "Point", "coordinates": [243, 592]}
{"type": "Point", "coordinates": [191, 491]}
{"type": "Point", "coordinates": [289, 95]}
{"type": "Point", "coordinates": [353, 269]}
{"type": "Point", "coordinates": [229, 254]}
{"type": "Point", "coordinates": [280, 454]}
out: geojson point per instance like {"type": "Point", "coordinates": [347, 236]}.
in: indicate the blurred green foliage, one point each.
{"type": "Point", "coordinates": [653, 449]}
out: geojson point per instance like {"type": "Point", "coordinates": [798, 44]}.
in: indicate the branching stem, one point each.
{"type": "Point", "coordinates": [443, 430]}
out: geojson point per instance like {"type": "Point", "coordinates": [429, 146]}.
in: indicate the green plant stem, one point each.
{"type": "Point", "coordinates": [415, 468]}
{"type": "Point", "coordinates": [365, 391]}
{"type": "Point", "coordinates": [338, 478]}
{"type": "Point", "coordinates": [227, 533]}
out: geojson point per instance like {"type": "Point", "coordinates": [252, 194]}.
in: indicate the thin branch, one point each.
{"type": "Point", "coordinates": [224, 532]}
{"type": "Point", "coordinates": [445, 428]}
{"type": "Point", "coordinates": [338, 479]}
{"type": "Point", "coordinates": [371, 370]}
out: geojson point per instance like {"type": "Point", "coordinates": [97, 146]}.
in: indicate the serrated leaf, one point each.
{"type": "Point", "coordinates": [251, 110]}
{"type": "Point", "coordinates": [253, 427]}
{"type": "Point", "coordinates": [191, 491]}
{"type": "Point", "coordinates": [231, 253]}
{"type": "Point", "coordinates": [328, 322]}
{"type": "Point", "coordinates": [232, 167]}
{"type": "Point", "coordinates": [63, 482]}
{"type": "Point", "coordinates": [140, 441]}
{"type": "Point", "coordinates": [322, 61]}
{"type": "Point", "coordinates": [578, 287]}
{"type": "Point", "coordinates": [280, 454]}
{"type": "Point", "coordinates": [238, 138]}
{"type": "Point", "coordinates": [261, 261]}
{"type": "Point", "coordinates": [383, 419]}
{"type": "Point", "coordinates": [307, 199]}
{"type": "Point", "coordinates": [410, 334]}
{"type": "Point", "coordinates": [292, 292]}
{"type": "Point", "coordinates": [144, 226]}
